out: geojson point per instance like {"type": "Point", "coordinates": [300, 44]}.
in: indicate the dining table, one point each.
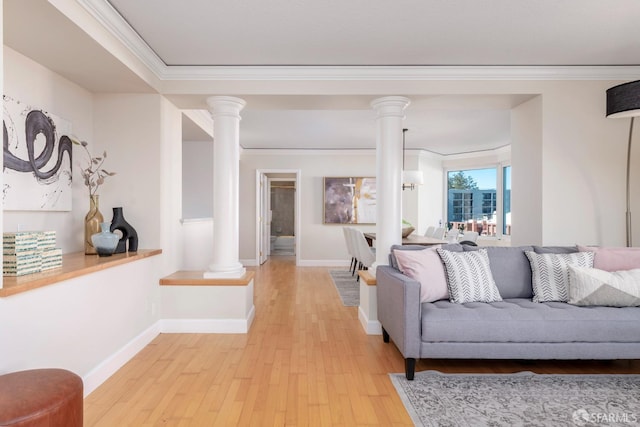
{"type": "Point", "coordinates": [411, 239]}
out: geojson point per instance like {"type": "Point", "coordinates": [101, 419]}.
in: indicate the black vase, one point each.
{"type": "Point", "coordinates": [129, 240]}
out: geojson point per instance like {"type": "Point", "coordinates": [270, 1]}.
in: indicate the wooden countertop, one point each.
{"type": "Point", "coordinates": [74, 264]}
{"type": "Point", "coordinates": [368, 278]}
{"type": "Point", "coordinates": [196, 278]}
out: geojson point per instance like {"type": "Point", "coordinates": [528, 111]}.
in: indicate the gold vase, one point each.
{"type": "Point", "coordinates": [92, 224]}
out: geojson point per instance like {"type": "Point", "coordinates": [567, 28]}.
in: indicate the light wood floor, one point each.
{"type": "Point", "coordinates": [305, 361]}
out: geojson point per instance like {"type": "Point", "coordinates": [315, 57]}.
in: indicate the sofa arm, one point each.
{"type": "Point", "coordinates": [399, 309]}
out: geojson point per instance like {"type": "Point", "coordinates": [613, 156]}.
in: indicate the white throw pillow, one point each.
{"type": "Point", "coordinates": [550, 273]}
{"type": "Point", "coordinates": [469, 276]}
{"type": "Point", "coordinates": [592, 286]}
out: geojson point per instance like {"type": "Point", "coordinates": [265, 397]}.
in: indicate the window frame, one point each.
{"type": "Point", "coordinates": [499, 167]}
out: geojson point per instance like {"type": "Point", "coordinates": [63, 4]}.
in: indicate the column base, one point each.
{"type": "Point", "coordinates": [234, 271]}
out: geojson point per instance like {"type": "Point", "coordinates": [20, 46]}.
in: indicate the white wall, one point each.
{"type": "Point", "coordinates": [29, 82]}
{"type": "Point", "coordinates": [170, 187]}
{"type": "Point", "coordinates": [431, 205]}
{"type": "Point", "coordinates": [526, 190]}
{"type": "Point", "coordinates": [411, 199]}
{"type": "Point", "coordinates": [93, 323]}
{"type": "Point", "coordinates": [197, 184]}
{"type": "Point", "coordinates": [320, 242]}
{"type": "Point", "coordinates": [583, 166]}
{"type": "Point", "coordinates": [128, 127]}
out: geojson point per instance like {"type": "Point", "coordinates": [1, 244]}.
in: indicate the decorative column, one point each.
{"type": "Point", "coordinates": [225, 111]}
{"type": "Point", "coordinates": [390, 116]}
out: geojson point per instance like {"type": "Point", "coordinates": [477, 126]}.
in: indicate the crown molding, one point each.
{"type": "Point", "coordinates": [107, 16]}
{"type": "Point", "coordinates": [418, 73]}
{"type": "Point", "coordinates": [307, 152]}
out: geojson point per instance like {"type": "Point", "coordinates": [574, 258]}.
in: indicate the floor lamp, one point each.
{"type": "Point", "coordinates": [624, 101]}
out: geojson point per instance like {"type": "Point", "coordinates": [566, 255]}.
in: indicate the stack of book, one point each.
{"type": "Point", "coordinates": [28, 252]}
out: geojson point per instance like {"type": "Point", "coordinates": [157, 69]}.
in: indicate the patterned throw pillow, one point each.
{"type": "Point", "coordinates": [469, 276]}
{"type": "Point", "coordinates": [592, 286]}
{"type": "Point", "coordinates": [550, 273]}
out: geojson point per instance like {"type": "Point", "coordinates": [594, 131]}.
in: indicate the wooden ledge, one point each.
{"type": "Point", "coordinates": [368, 278]}
{"type": "Point", "coordinates": [74, 265]}
{"type": "Point", "coordinates": [195, 278]}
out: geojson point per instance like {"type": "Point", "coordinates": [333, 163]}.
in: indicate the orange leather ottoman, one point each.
{"type": "Point", "coordinates": [41, 397]}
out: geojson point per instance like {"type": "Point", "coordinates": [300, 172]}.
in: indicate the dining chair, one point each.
{"type": "Point", "coordinates": [452, 235]}
{"type": "Point", "coordinates": [354, 247]}
{"type": "Point", "coordinates": [470, 236]}
{"type": "Point", "coordinates": [366, 256]}
{"type": "Point", "coordinates": [347, 239]}
{"type": "Point", "coordinates": [439, 233]}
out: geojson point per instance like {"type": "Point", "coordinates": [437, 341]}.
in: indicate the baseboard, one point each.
{"type": "Point", "coordinates": [249, 262]}
{"type": "Point", "coordinates": [371, 327]}
{"type": "Point", "coordinates": [208, 326]}
{"type": "Point", "coordinates": [117, 360]}
{"type": "Point", "coordinates": [323, 263]}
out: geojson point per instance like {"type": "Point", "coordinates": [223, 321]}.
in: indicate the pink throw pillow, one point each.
{"type": "Point", "coordinates": [425, 266]}
{"type": "Point", "coordinates": [613, 259]}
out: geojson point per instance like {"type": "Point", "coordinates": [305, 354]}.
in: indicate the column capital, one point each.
{"type": "Point", "coordinates": [225, 106]}
{"type": "Point", "coordinates": [389, 106]}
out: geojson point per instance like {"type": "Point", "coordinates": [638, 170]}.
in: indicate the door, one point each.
{"type": "Point", "coordinates": [265, 218]}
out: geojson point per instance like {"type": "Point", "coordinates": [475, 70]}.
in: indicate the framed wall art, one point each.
{"type": "Point", "coordinates": [37, 159]}
{"type": "Point", "coordinates": [349, 200]}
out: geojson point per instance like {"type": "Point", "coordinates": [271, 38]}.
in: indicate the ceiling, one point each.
{"type": "Point", "coordinates": [383, 32]}
{"type": "Point", "coordinates": [359, 33]}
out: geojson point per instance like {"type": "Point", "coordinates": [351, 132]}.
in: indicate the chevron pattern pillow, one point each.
{"type": "Point", "coordinates": [469, 277]}
{"type": "Point", "coordinates": [550, 273]}
{"type": "Point", "coordinates": [592, 286]}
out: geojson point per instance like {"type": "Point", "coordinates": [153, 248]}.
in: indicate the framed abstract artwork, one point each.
{"type": "Point", "coordinates": [349, 200]}
{"type": "Point", "coordinates": [37, 159]}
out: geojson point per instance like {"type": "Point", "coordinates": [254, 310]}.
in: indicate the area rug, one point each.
{"type": "Point", "coordinates": [522, 399]}
{"type": "Point", "coordinates": [347, 286]}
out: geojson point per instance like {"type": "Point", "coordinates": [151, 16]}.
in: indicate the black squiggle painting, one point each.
{"type": "Point", "coordinates": [37, 159]}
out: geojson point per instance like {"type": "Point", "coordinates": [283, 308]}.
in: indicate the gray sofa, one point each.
{"type": "Point", "coordinates": [515, 328]}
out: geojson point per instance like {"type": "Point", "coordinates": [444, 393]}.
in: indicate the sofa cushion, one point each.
{"type": "Point", "coordinates": [613, 259]}
{"type": "Point", "coordinates": [426, 267]}
{"type": "Point", "coordinates": [393, 262]}
{"type": "Point", "coordinates": [592, 286]}
{"type": "Point", "coordinates": [550, 273]}
{"type": "Point", "coordinates": [521, 320]}
{"type": "Point", "coordinates": [469, 276]}
{"type": "Point", "coordinates": [510, 269]}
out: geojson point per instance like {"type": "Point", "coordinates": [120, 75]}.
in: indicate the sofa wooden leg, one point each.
{"type": "Point", "coordinates": [410, 367]}
{"type": "Point", "coordinates": [385, 335]}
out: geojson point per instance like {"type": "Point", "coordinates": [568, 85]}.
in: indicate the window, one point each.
{"type": "Point", "coordinates": [480, 200]}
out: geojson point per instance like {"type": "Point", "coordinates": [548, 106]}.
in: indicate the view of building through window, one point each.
{"type": "Point", "coordinates": [472, 200]}
{"type": "Point", "coordinates": [506, 200]}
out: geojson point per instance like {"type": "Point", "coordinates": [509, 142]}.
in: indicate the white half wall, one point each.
{"type": "Point", "coordinates": [81, 323]}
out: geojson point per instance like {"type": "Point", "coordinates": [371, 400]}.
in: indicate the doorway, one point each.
{"type": "Point", "coordinates": [278, 219]}
{"type": "Point", "coordinates": [282, 205]}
